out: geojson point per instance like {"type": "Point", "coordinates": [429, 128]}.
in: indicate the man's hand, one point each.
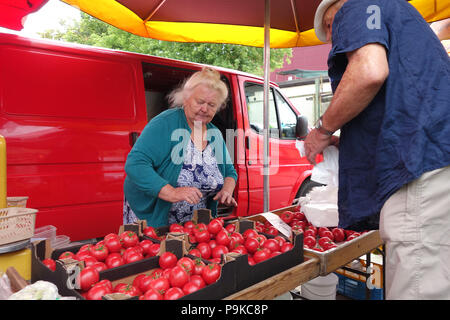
{"type": "Point", "coordinates": [315, 143]}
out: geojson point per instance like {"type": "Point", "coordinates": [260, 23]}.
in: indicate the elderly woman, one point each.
{"type": "Point", "coordinates": [180, 162]}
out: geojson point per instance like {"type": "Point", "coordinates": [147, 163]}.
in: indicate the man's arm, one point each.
{"type": "Point", "coordinates": [366, 72]}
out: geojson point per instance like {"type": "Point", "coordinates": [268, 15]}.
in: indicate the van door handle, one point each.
{"type": "Point", "coordinates": [247, 142]}
{"type": "Point", "coordinates": [133, 136]}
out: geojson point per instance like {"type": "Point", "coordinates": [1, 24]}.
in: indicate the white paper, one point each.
{"type": "Point", "coordinates": [279, 224]}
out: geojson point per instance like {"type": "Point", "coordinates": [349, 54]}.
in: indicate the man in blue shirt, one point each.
{"type": "Point", "coordinates": [390, 77]}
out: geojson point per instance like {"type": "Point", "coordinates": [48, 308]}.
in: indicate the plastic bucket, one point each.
{"type": "Point", "coordinates": [321, 288]}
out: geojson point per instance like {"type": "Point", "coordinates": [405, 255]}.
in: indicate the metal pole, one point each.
{"type": "Point", "coordinates": [3, 202]}
{"type": "Point", "coordinates": [266, 105]}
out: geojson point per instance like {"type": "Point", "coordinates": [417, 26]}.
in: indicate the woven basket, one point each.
{"type": "Point", "coordinates": [16, 224]}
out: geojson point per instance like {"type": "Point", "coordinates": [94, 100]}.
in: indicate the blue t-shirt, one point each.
{"type": "Point", "coordinates": [405, 130]}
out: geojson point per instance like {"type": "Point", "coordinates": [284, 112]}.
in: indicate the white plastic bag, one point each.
{"type": "Point", "coordinates": [320, 204]}
{"type": "Point", "coordinates": [327, 171]}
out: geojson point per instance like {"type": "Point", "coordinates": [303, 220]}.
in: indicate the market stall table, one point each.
{"type": "Point", "coordinates": [315, 264]}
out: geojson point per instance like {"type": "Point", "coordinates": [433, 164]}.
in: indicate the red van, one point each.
{"type": "Point", "coordinates": [71, 113]}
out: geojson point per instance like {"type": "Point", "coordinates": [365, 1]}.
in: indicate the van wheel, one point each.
{"type": "Point", "coordinates": [306, 187]}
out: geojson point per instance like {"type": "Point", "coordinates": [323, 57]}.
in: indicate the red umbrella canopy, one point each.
{"type": "Point", "coordinates": [14, 12]}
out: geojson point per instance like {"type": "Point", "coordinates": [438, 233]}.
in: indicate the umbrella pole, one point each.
{"type": "Point", "coordinates": [266, 135]}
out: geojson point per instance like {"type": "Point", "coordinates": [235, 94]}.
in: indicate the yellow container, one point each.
{"type": "Point", "coordinates": [20, 260]}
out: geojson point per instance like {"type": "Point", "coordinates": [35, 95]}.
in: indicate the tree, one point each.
{"type": "Point", "coordinates": [94, 32]}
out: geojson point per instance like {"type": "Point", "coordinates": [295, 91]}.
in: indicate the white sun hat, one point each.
{"type": "Point", "coordinates": [318, 18]}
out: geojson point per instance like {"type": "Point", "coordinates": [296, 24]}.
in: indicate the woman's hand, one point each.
{"type": "Point", "coordinates": [191, 195]}
{"type": "Point", "coordinates": [226, 198]}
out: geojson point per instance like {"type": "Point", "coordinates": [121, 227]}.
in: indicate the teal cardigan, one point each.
{"type": "Point", "coordinates": [156, 159]}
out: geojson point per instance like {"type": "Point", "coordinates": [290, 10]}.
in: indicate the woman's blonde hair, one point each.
{"type": "Point", "coordinates": [208, 77]}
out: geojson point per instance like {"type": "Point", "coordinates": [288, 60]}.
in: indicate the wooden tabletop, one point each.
{"type": "Point", "coordinates": [280, 283]}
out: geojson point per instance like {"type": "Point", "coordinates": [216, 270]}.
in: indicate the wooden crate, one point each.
{"type": "Point", "coordinates": [333, 259]}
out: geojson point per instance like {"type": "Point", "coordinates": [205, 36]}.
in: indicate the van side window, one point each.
{"type": "Point", "coordinates": [254, 94]}
{"type": "Point", "coordinates": [288, 118]}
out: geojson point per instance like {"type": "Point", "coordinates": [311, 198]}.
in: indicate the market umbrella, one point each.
{"type": "Point", "coordinates": [260, 23]}
{"type": "Point", "coordinates": [280, 24]}
{"type": "Point", "coordinates": [13, 12]}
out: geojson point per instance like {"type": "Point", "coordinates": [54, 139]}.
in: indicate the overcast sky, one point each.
{"type": "Point", "coordinates": [47, 17]}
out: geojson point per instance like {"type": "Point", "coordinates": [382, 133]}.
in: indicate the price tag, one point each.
{"type": "Point", "coordinates": [279, 224]}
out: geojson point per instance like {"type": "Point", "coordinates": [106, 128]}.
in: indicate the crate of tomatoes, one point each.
{"type": "Point", "coordinates": [333, 246]}
{"type": "Point", "coordinates": [112, 267]}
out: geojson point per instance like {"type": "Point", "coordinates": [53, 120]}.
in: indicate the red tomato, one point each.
{"type": "Point", "coordinates": [327, 234]}
{"type": "Point", "coordinates": [86, 247]}
{"type": "Point", "coordinates": [128, 239]}
{"type": "Point", "coordinates": [272, 245]}
{"type": "Point", "coordinates": [251, 244]}
{"type": "Point", "coordinates": [286, 247]}
{"type": "Point", "coordinates": [113, 244]}
{"type": "Point", "coordinates": [175, 227]}
{"type": "Point", "coordinates": [240, 249]}
{"type": "Point", "coordinates": [88, 277]}
{"type": "Point", "coordinates": [202, 235]}
{"type": "Point", "coordinates": [230, 227]}
{"type": "Point", "coordinates": [178, 277]}
{"type": "Point", "coordinates": [237, 237]}
{"type": "Point", "coordinates": [99, 252]}
{"type": "Point", "coordinates": [82, 254]}
{"type": "Point", "coordinates": [144, 283]}
{"type": "Point", "coordinates": [323, 241]}
{"type": "Point", "coordinates": [189, 225]}
{"type": "Point", "coordinates": [152, 294]}
{"type": "Point", "coordinates": [310, 241]}
{"type": "Point", "coordinates": [145, 245]}
{"type": "Point", "coordinates": [173, 293]}
{"type": "Point", "coordinates": [198, 279]}
{"type": "Point", "coordinates": [211, 273]}
{"type": "Point", "coordinates": [150, 232]}
{"type": "Point", "coordinates": [160, 284]}
{"type": "Point", "coordinates": [137, 280]}
{"type": "Point", "coordinates": [275, 253]}
{"type": "Point", "coordinates": [219, 250]}
{"type": "Point", "coordinates": [215, 226]}
{"type": "Point", "coordinates": [251, 261]}
{"type": "Point", "coordinates": [111, 235]}
{"type": "Point", "coordinates": [119, 286]}
{"type": "Point", "coordinates": [212, 243]}
{"type": "Point", "coordinates": [339, 234]}
{"type": "Point", "coordinates": [309, 232]}
{"type": "Point", "coordinates": [190, 287]}
{"type": "Point", "coordinates": [195, 252]}
{"type": "Point", "coordinates": [280, 240]}
{"type": "Point", "coordinates": [89, 261]}
{"type": "Point", "coordinates": [205, 250]}
{"type": "Point", "coordinates": [49, 263]}
{"type": "Point", "coordinates": [133, 257]}
{"type": "Point", "coordinates": [198, 266]}
{"type": "Point", "coordinates": [261, 255]}
{"type": "Point", "coordinates": [187, 264]}
{"type": "Point", "coordinates": [154, 250]}
{"type": "Point", "coordinates": [223, 238]}
{"type": "Point", "coordinates": [287, 216]}
{"type": "Point", "coordinates": [105, 282]}
{"type": "Point", "coordinates": [100, 266]}
{"type": "Point", "coordinates": [272, 231]}
{"type": "Point", "coordinates": [67, 255]}
{"type": "Point", "coordinates": [97, 292]}
{"type": "Point", "coordinates": [130, 290]}
{"type": "Point", "coordinates": [250, 233]}
{"type": "Point", "coordinates": [114, 260]}
{"type": "Point", "coordinates": [167, 260]}
{"type": "Point", "coordinates": [299, 215]}
{"type": "Point", "coordinates": [329, 245]}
